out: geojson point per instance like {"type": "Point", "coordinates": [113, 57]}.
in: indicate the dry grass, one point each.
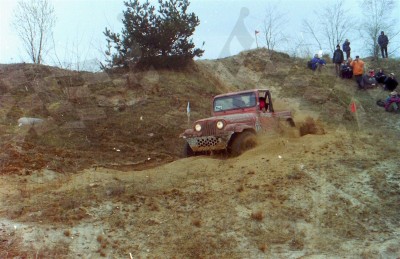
{"type": "Point", "coordinates": [13, 247]}
{"type": "Point", "coordinates": [100, 238]}
{"type": "Point", "coordinates": [196, 222]}
{"type": "Point", "coordinates": [257, 215]}
{"type": "Point", "coordinates": [263, 247]}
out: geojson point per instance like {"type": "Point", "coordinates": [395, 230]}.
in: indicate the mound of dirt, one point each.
{"type": "Point", "coordinates": [101, 175]}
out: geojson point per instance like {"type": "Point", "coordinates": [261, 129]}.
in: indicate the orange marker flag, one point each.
{"type": "Point", "coordinates": [353, 107]}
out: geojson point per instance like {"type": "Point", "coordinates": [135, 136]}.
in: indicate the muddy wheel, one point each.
{"type": "Point", "coordinates": [187, 151]}
{"type": "Point", "coordinates": [242, 142]}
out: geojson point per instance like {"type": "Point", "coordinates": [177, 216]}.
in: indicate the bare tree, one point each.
{"type": "Point", "coordinates": [310, 29]}
{"type": "Point", "coordinates": [332, 25]}
{"type": "Point", "coordinates": [379, 19]}
{"type": "Point", "coordinates": [34, 21]}
{"type": "Point", "coordinates": [299, 47]}
{"type": "Point", "coordinates": [273, 23]}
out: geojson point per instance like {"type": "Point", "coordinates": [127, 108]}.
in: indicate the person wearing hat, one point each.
{"type": "Point", "coordinates": [358, 70]}
{"type": "Point", "coordinates": [337, 59]}
{"type": "Point", "coordinates": [392, 103]}
{"type": "Point", "coordinates": [390, 83]}
{"type": "Point", "coordinates": [383, 41]}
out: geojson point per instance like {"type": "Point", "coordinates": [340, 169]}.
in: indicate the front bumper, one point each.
{"type": "Point", "coordinates": [208, 143]}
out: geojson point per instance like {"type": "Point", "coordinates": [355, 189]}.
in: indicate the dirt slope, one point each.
{"type": "Point", "coordinates": [66, 191]}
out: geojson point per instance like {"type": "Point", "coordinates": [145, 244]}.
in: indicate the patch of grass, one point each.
{"type": "Point", "coordinates": [263, 247]}
{"type": "Point", "coordinates": [240, 188]}
{"type": "Point", "coordinates": [196, 222]}
{"type": "Point", "coordinates": [100, 238]}
{"type": "Point", "coordinates": [115, 190]}
{"type": "Point", "coordinates": [257, 215]}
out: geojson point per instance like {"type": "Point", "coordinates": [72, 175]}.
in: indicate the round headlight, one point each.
{"type": "Point", "coordinates": [220, 124]}
{"type": "Point", "coordinates": [197, 127]}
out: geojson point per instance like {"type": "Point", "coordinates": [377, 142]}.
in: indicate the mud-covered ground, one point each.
{"type": "Point", "coordinates": [331, 194]}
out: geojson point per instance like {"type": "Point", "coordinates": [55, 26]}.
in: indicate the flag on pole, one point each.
{"type": "Point", "coordinates": [188, 113]}
{"type": "Point", "coordinates": [255, 35]}
{"type": "Point", "coordinates": [353, 107]}
{"type": "Point", "coordinates": [188, 109]}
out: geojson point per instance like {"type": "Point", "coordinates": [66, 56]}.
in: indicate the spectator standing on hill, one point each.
{"type": "Point", "coordinates": [390, 83]}
{"type": "Point", "coordinates": [383, 41]}
{"type": "Point", "coordinates": [338, 59]}
{"type": "Point", "coordinates": [316, 63]}
{"type": "Point", "coordinates": [346, 48]}
{"type": "Point", "coordinates": [380, 76]}
{"type": "Point", "coordinates": [358, 70]}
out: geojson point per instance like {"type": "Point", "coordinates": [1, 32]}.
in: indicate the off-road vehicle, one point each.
{"type": "Point", "coordinates": [236, 119]}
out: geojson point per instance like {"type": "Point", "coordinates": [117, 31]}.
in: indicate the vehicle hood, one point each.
{"type": "Point", "coordinates": [232, 118]}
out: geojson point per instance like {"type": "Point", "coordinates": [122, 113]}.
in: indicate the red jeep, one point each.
{"type": "Point", "coordinates": [236, 119]}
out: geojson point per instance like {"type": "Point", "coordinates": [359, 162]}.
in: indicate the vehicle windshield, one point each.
{"type": "Point", "coordinates": [232, 102]}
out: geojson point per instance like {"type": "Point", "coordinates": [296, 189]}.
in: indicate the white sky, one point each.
{"type": "Point", "coordinates": [80, 24]}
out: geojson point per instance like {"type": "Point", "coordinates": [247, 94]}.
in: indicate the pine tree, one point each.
{"type": "Point", "coordinates": [151, 35]}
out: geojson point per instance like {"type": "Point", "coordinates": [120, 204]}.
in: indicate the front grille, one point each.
{"type": "Point", "coordinates": [209, 128]}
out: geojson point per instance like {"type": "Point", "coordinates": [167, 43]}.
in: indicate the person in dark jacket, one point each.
{"type": "Point", "coordinates": [346, 48]}
{"type": "Point", "coordinates": [337, 59]}
{"type": "Point", "coordinates": [345, 69]}
{"type": "Point", "coordinates": [383, 41]}
{"type": "Point", "coordinates": [380, 76]}
{"type": "Point", "coordinates": [390, 83]}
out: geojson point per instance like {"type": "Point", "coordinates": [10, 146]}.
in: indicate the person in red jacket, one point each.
{"type": "Point", "coordinates": [358, 70]}
{"type": "Point", "coordinates": [263, 104]}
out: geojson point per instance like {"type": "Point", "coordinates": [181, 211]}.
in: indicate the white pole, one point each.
{"type": "Point", "coordinates": [255, 34]}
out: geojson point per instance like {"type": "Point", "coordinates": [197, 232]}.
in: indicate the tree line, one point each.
{"type": "Point", "coordinates": [162, 34]}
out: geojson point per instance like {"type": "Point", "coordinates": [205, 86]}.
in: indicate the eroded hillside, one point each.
{"type": "Point", "coordinates": [102, 175]}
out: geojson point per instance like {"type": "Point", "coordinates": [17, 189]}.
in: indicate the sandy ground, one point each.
{"type": "Point", "coordinates": [334, 195]}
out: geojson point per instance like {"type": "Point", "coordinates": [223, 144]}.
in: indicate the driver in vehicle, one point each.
{"type": "Point", "coordinates": [263, 104]}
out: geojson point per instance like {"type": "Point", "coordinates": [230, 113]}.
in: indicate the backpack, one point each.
{"type": "Point", "coordinates": [380, 103]}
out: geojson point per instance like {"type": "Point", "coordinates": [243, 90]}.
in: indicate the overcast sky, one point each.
{"type": "Point", "coordinates": [226, 26]}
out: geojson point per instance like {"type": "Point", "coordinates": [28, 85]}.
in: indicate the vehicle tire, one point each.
{"type": "Point", "coordinates": [187, 151]}
{"type": "Point", "coordinates": [242, 142]}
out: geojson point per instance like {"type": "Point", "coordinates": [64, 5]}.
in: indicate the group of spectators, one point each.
{"type": "Point", "coordinates": [347, 68]}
